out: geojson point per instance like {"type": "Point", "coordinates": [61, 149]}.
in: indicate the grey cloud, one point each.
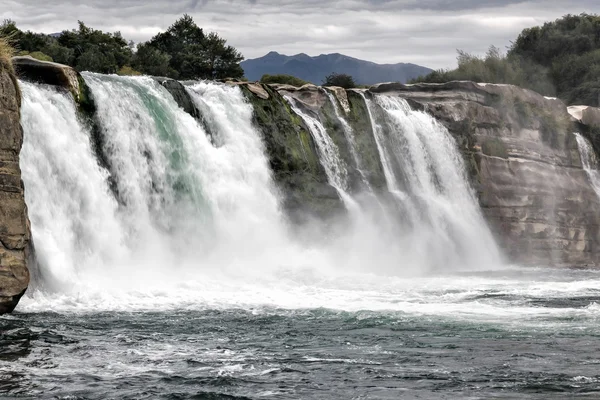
{"type": "Point", "coordinates": [426, 32]}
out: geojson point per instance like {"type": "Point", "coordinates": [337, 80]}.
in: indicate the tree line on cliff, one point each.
{"type": "Point", "coordinates": [183, 51]}
{"type": "Point", "coordinates": [559, 59]}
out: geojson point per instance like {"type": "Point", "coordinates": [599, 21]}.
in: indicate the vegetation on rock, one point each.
{"type": "Point", "coordinates": [560, 58]}
{"type": "Point", "coordinates": [282, 79]}
{"type": "Point", "coordinates": [342, 80]}
{"type": "Point", "coordinates": [6, 53]}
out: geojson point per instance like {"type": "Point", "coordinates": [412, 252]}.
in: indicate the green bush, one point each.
{"type": "Point", "coordinates": [560, 58]}
{"type": "Point", "coordinates": [342, 80]}
{"type": "Point", "coordinates": [282, 79]}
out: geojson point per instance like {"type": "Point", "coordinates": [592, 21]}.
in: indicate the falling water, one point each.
{"type": "Point", "coordinates": [379, 140]}
{"type": "Point", "coordinates": [179, 204]}
{"type": "Point", "coordinates": [443, 213]}
{"type": "Point", "coordinates": [328, 151]}
{"type": "Point", "coordinates": [349, 135]}
{"type": "Point", "coordinates": [589, 161]}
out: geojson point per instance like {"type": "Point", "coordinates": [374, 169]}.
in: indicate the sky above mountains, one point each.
{"type": "Point", "coordinates": [424, 32]}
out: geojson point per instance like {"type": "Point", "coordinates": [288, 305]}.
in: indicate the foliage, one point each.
{"type": "Point", "coordinates": [6, 53]}
{"type": "Point", "coordinates": [38, 55]}
{"type": "Point", "coordinates": [182, 52]}
{"type": "Point", "coordinates": [560, 58]}
{"type": "Point", "coordinates": [494, 67]}
{"type": "Point", "coordinates": [128, 71]}
{"type": "Point", "coordinates": [152, 61]}
{"type": "Point", "coordinates": [283, 79]}
{"type": "Point", "coordinates": [192, 54]}
{"type": "Point", "coordinates": [342, 80]}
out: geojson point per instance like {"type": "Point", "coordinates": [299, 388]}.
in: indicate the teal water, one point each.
{"type": "Point", "coordinates": [516, 334]}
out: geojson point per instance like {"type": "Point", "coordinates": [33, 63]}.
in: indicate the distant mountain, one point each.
{"type": "Point", "coordinates": [315, 69]}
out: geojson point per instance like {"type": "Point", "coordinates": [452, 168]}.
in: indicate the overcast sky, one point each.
{"type": "Point", "coordinates": [425, 32]}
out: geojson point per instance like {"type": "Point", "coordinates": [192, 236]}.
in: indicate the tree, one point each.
{"type": "Point", "coordinates": [194, 55]}
{"type": "Point", "coordinates": [95, 50]}
{"type": "Point", "coordinates": [152, 61]}
{"type": "Point", "coordinates": [221, 61]}
{"type": "Point", "coordinates": [342, 80]}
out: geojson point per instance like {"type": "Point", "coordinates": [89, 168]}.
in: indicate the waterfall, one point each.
{"type": "Point", "coordinates": [328, 151]}
{"type": "Point", "coordinates": [349, 135]}
{"type": "Point", "coordinates": [179, 206]}
{"type": "Point", "coordinates": [379, 140]}
{"type": "Point", "coordinates": [71, 208]}
{"type": "Point", "coordinates": [172, 216]}
{"type": "Point", "coordinates": [589, 162]}
{"type": "Point", "coordinates": [446, 225]}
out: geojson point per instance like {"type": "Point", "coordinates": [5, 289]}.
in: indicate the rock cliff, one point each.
{"type": "Point", "coordinates": [525, 165]}
{"type": "Point", "coordinates": [14, 224]}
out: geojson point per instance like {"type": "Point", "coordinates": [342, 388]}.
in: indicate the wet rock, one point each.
{"type": "Point", "coordinates": [14, 225]}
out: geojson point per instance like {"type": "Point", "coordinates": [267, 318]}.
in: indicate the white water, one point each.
{"type": "Point", "coordinates": [589, 162]}
{"type": "Point", "coordinates": [379, 140]}
{"type": "Point", "coordinates": [186, 210]}
{"type": "Point", "coordinates": [328, 151]}
{"type": "Point", "coordinates": [349, 135]}
{"type": "Point", "coordinates": [447, 225]}
{"type": "Point", "coordinates": [197, 224]}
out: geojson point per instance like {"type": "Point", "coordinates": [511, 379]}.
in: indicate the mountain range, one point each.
{"type": "Point", "coordinates": [315, 69]}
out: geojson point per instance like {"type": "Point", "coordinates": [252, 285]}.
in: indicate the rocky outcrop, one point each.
{"type": "Point", "coordinates": [525, 165]}
{"type": "Point", "coordinates": [50, 73]}
{"type": "Point", "coordinates": [14, 224]}
{"type": "Point", "coordinates": [586, 115]}
{"type": "Point", "coordinates": [293, 156]}
{"type": "Point", "coordinates": [366, 165]}
{"type": "Point", "coordinates": [180, 95]}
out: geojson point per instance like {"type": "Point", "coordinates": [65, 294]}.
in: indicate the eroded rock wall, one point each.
{"type": "Point", "coordinates": [525, 165]}
{"type": "Point", "coordinates": [14, 225]}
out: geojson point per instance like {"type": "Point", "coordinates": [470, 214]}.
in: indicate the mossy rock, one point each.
{"type": "Point", "coordinates": [364, 137]}
{"type": "Point", "coordinates": [293, 158]}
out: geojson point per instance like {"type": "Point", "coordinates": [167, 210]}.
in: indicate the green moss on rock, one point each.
{"type": "Point", "coordinates": [358, 118]}
{"type": "Point", "coordinates": [293, 157]}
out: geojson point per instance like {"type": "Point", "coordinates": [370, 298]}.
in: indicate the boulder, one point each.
{"type": "Point", "coordinates": [586, 115]}
{"type": "Point", "coordinates": [293, 156]}
{"type": "Point", "coordinates": [50, 73]}
{"type": "Point", "coordinates": [181, 96]}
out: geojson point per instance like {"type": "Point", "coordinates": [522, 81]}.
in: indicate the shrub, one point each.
{"type": "Point", "coordinates": [6, 53]}
{"type": "Point", "coordinates": [283, 79]}
{"type": "Point", "coordinates": [126, 70]}
{"type": "Point", "coordinates": [342, 80]}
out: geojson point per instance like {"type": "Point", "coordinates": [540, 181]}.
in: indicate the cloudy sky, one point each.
{"type": "Point", "coordinates": [425, 32]}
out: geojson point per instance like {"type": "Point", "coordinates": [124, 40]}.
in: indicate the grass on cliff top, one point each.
{"type": "Point", "coordinates": [6, 53]}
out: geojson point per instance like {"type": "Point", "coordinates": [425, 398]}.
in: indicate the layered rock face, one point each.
{"type": "Point", "coordinates": [525, 165]}
{"type": "Point", "coordinates": [14, 224]}
{"type": "Point", "coordinates": [293, 155]}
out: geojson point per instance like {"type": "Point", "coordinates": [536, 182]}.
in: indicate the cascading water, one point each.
{"type": "Point", "coordinates": [379, 140]}
{"type": "Point", "coordinates": [349, 135]}
{"type": "Point", "coordinates": [179, 207]}
{"type": "Point", "coordinates": [191, 230]}
{"type": "Point", "coordinates": [447, 227]}
{"type": "Point", "coordinates": [589, 162]}
{"type": "Point", "coordinates": [328, 151]}
{"type": "Point", "coordinates": [72, 211]}
{"type": "Point", "coordinates": [171, 212]}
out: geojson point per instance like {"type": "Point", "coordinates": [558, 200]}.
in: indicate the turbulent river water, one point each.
{"type": "Point", "coordinates": [167, 268]}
